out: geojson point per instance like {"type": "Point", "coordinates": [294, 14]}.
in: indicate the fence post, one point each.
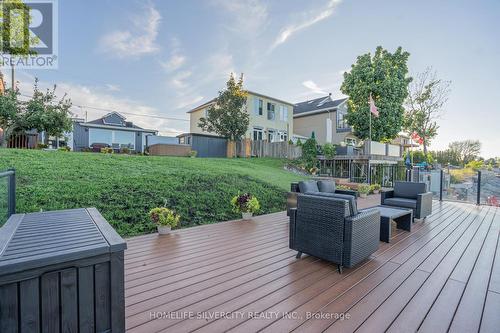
{"type": "Point", "coordinates": [11, 196]}
{"type": "Point", "coordinates": [441, 181]}
{"type": "Point", "coordinates": [478, 202]}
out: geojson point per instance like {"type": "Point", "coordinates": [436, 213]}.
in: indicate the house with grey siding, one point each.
{"type": "Point", "coordinates": [112, 130]}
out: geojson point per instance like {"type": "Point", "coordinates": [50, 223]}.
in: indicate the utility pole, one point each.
{"type": "Point", "coordinates": [13, 82]}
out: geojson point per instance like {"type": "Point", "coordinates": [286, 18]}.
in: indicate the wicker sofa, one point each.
{"type": "Point", "coordinates": [328, 228]}
{"type": "Point", "coordinates": [315, 187]}
{"type": "Point", "coordinates": [409, 195]}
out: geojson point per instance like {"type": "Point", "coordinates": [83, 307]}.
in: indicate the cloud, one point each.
{"type": "Point", "coordinates": [113, 87]}
{"type": "Point", "coordinates": [137, 41]}
{"type": "Point", "coordinates": [246, 17]}
{"type": "Point", "coordinates": [90, 97]}
{"type": "Point", "coordinates": [310, 19]}
{"type": "Point", "coordinates": [179, 80]}
{"type": "Point", "coordinates": [311, 85]}
{"type": "Point", "coordinates": [174, 63]}
{"type": "Point", "coordinates": [189, 102]}
{"type": "Point", "coordinates": [176, 60]}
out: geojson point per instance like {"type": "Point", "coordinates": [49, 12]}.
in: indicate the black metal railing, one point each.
{"type": "Point", "coordinates": [9, 207]}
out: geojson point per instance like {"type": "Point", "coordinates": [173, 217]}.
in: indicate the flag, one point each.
{"type": "Point", "coordinates": [373, 108]}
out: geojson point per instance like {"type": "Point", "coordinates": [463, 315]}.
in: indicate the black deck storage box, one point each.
{"type": "Point", "coordinates": [61, 271]}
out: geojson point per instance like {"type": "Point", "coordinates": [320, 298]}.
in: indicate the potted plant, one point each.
{"type": "Point", "coordinates": [193, 153]}
{"type": "Point", "coordinates": [376, 188]}
{"type": "Point", "coordinates": [246, 204]}
{"type": "Point", "coordinates": [363, 190]}
{"type": "Point", "coordinates": [164, 219]}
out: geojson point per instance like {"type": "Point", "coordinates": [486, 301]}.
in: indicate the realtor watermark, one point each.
{"type": "Point", "coordinates": [29, 34]}
{"type": "Point", "coordinates": [242, 315]}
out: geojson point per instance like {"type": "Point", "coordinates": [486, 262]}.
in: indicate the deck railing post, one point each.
{"type": "Point", "coordinates": [441, 180]}
{"type": "Point", "coordinates": [478, 200]}
{"type": "Point", "coordinates": [11, 196]}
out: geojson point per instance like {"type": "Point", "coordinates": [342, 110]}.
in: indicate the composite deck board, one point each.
{"type": "Point", "coordinates": [241, 277]}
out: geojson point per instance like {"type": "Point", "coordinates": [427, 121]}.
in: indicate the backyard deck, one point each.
{"type": "Point", "coordinates": [444, 275]}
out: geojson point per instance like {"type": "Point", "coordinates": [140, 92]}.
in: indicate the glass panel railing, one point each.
{"type": "Point", "coordinates": [490, 188]}
{"type": "Point", "coordinates": [460, 185]}
{"type": "Point", "coordinates": [431, 179]}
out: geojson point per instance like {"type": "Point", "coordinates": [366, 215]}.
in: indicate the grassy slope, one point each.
{"type": "Point", "coordinates": [125, 188]}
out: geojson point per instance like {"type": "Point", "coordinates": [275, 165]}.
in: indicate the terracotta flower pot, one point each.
{"type": "Point", "coordinates": [164, 229]}
{"type": "Point", "coordinates": [246, 216]}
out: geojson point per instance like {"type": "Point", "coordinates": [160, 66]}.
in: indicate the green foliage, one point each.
{"type": "Point", "coordinates": [364, 188]}
{"type": "Point", "coordinates": [228, 117]}
{"type": "Point", "coordinates": [42, 112]}
{"type": "Point", "coordinates": [418, 156]}
{"type": "Point", "coordinates": [163, 216]}
{"type": "Point", "coordinates": [342, 187]}
{"type": "Point", "coordinates": [475, 165]}
{"type": "Point", "coordinates": [310, 153]}
{"type": "Point", "coordinates": [299, 142]}
{"type": "Point", "coordinates": [385, 76]}
{"type": "Point", "coordinates": [375, 187]}
{"type": "Point", "coordinates": [245, 203]}
{"type": "Point", "coordinates": [329, 150]}
{"type": "Point", "coordinates": [126, 188]}
{"type": "Point", "coordinates": [193, 153]}
{"type": "Point", "coordinates": [41, 146]}
{"type": "Point", "coordinates": [64, 149]}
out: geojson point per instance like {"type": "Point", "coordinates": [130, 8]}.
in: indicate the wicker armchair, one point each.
{"type": "Point", "coordinates": [409, 195]}
{"type": "Point", "coordinates": [324, 227]}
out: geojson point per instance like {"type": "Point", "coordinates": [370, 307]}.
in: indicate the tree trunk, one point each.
{"type": "Point", "coordinates": [425, 148]}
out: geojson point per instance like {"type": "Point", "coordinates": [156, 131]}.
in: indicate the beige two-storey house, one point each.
{"type": "Point", "coordinates": [271, 119]}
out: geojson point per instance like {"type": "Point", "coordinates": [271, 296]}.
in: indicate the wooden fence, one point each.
{"type": "Point", "coordinates": [23, 141]}
{"type": "Point", "coordinates": [270, 149]}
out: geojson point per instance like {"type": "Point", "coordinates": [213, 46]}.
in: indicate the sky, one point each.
{"type": "Point", "coordinates": [165, 57]}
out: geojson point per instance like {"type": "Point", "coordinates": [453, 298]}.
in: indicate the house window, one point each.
{"type": "Point", "coordinates": [124, 139]}
{"type": "Point", "coordinates": [102, 136]}
{"type": "Point", "coordinates": [285, 113]}
{"type": "Point", "coordinates": [282, 136]}
{"type": "Point", "coordinates": [257, 134]}
{"type": "Point", "coordinates": [258, 106]}
{"type": "Point", "coordinates": [341, 119]}
{"type": "Point", "coordinates": [270, 111]}
{"type": "Point", "coordinates": [271, 135]}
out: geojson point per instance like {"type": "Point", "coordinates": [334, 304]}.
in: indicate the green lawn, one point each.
{"type": "Point", "coordinates": [124, 188]}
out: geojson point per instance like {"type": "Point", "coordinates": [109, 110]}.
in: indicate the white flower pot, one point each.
{"type": "Point", "coordinates": [164, 229]}
{"type": "Point", "coordinates": [362, 195]}
{"type": "Point", "coordinates": [376, 191]}
{"type": "Point", "coordinates": [246, 216]}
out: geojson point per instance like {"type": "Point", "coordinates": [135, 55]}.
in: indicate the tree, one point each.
{"type": "Point", "coordinates": [466, 151]}
{"type": "Point", "coordinates": [426, 96]}
{"type": "Point", "coordinates": [384, 76]}
{"type": "Point", "coordinates": [228, 116]}
{"type": "Point", "coordinates": [42, 112]}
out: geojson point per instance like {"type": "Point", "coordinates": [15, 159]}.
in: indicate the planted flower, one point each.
{"type": "Point", "coordinates": [246, 204]}
{"type": "Point", "coordinates": [164, 218]}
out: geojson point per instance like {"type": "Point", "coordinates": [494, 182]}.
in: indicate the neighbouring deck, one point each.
{"type": "Point", "coordinates": [444, 275]}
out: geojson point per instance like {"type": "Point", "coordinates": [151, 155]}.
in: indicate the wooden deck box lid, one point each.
{"type": "Point", "coordinates": [39, 239]}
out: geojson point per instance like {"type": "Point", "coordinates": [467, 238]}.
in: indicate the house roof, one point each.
{"type": "Point", "coordinates": [318, 105]}
{"type": "Point", "coordinates": [249, 92]}
{"type": "Point", "coordinates": [102, 124]}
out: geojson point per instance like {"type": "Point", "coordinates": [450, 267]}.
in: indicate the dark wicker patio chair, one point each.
{"type": "Point", "coordinates": [313, 187]}
{"type": "Point", "coordinates": [409, 195]}
{"type": "Point", "coordinates": [326, 228]}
